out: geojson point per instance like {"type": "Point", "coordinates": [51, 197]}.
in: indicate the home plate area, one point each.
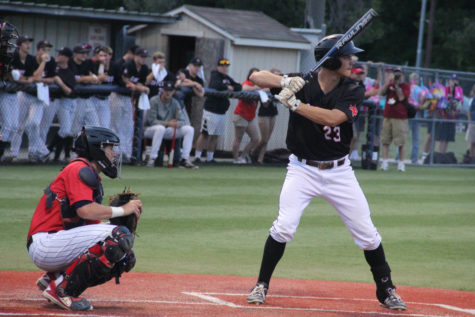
{"type": "Point", "coordinates": [149, 294]}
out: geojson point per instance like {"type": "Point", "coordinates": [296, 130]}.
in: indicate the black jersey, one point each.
{"type": "Point", "coordinates": [135, 76]}
{"type": "Point", "coordinates": [313, 141]}
{"type": "Point", "coordinates": [221, 82]}
{"type": "Point", "coordinates": [79, 70]}
{"type": "Point", "coordinates": [112, 72]}
{"type": "Point", "coordinates": [28, 67]}
{"type": "Point", "coordinates": [67, 76]}
{"type": "Point", "coordinates": [155, 85]}
{"type": "Point", "coordinates": [197, 79]}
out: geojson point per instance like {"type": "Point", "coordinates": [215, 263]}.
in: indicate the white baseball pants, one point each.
{"type": "Point", "coordinates": [339, 187]}
{"type": "Point", "coordinates": [159, 132]}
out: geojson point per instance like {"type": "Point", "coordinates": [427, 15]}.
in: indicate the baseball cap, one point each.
{"type": "Point", "coordinates": [397, 69]}
{"type": "Point", "coordinates": [168, 85]}
{"type": "Point", "coordinates": [196, 61]}
{"type": "Point", "coordinates": [132, 48]}
{"type": "Point", "coordinates": [65, 51]}
{"type": "Point", "coordinates": [43, 44]}
{"type": "Point", "coordinates": [82, 48]}
{"type": "Point", "coordinates": [453, 76]}
{"type": "Point", "coordinates": [223, 62]}
{"type": "Point", "coordinates": [140, 51]}
{"type": "Point", "coordinates": [24, 38]}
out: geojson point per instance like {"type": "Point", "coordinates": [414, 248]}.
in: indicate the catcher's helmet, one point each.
{"type": "Point", "coordinates": [325, 44]}
{"type": "Point", "coordinates": [8, 38]}
{"type": "Point", "coordinates": [90, 144]}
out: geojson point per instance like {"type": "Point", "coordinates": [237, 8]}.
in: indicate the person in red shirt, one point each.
{"type": "Point", "coordinates": [395, 125]}
{"type": "Point", "coordinates": [66, 237]}
{"type": "Point", "coordinates": [245, 122]}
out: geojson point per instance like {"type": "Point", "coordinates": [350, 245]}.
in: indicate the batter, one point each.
{"type": "Point", "coordinates": [319, 134]}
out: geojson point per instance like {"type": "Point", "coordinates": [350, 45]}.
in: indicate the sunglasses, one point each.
{"type": "Point", "coordinates": [224, 62]}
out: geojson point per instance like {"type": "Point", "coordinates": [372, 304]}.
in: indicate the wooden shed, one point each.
{"type": "Point", "coordinates": [247, 38]}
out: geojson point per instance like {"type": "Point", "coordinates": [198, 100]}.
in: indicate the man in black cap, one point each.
{"type": "Point", "coordinates": [214, 113]}
{"type": "Point", "coordinates": [86, 114]}
{"type": "Point", "coordinates": [128, 56]}
{"type": "Point", "coordinates": [193, 81]}
{"type": "Point", "coordinates": [39, 69]}
{"type": "Point", "coordinates": [165, 115]}
{"type": "Point", "coordinates": [63, 105]}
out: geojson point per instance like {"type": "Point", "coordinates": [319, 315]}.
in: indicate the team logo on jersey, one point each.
{"type": "Point", "coordinates": [354, 111]}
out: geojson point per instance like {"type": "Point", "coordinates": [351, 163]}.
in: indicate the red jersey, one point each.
{"type": "Point", "coordinates": [395, 108]}
{"type": "Point", "coordinates": [69, 189]}
{"type": "Point", "coordinates": [246, 108]}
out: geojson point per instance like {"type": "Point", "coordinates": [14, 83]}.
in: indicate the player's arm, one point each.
{"type": "Point", "coordinates": [333, 117]}
{"type": "Point", "coordinates": [95, 211]}
{"type": "Point", "coordinates": [266, 79]}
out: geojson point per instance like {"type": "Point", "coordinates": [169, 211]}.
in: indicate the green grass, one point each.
{"type": "Point", "coordinates": [215, 221]}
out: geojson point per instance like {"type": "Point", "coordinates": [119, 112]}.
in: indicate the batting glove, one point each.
{"type": "Point", "coordinates": [288, 99]}
{"type": "Point", "coordinates": [292, 83]}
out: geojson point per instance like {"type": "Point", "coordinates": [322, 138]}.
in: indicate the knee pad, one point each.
{"type": "Point", "coordinates": [118, 244]}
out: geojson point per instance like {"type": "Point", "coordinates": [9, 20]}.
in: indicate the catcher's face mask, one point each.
{"type": "Point", "coordinates": [112, 162]}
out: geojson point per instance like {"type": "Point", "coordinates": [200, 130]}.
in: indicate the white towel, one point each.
{"type": "Point", "coordinates": [159, 76]}
{"type": "Point", "coordinates": [144, 103]}
{"type": "Point", "coordinates": [263, 96]}
{"type": "Point", "coordinates": [42, 92]}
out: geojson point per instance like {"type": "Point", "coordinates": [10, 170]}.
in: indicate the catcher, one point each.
{"type": "Point", "coordinates": [66, 236]}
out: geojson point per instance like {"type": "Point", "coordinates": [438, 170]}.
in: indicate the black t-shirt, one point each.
{"type": "Point", "coordinates": [155, 85]}
{"type": "Point", "coordinates": [136, 76]}
{"type": "Point", "coordinates": [114, 71]}
{"type": "Point", "coordinates": [270, 110]}
{"type": "Point", "coordinates": [83, 69]}
{"type": "Point", "coordinates": [28, 68]}
{"type": "Point", "coordinates": [196, 79]}
{"type": "Point", "coordinates": [313, 141]}
{"type": "Point", "coordinates": [221, 82]}
{"type": "Point", "coordinates": [67, 76]}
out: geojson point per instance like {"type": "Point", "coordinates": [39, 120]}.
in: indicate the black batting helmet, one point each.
{"type": "Point", "coordinates": [8, 38]}
{"type": "Point", "coordinates": [325, 44]}
{"type": "Point", "coordinates": [90, 144]}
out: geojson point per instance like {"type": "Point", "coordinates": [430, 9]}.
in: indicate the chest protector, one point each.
{"type": "Point", "coordinates": [88, 176]}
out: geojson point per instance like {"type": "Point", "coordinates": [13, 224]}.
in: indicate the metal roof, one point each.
{"type": "Point", "coordinates": [243, 24]}
{"type": "Point", "coordinates": [7, 6]}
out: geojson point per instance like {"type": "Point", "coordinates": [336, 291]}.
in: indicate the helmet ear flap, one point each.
{"type": "Point", "coordinates": [332, 63]}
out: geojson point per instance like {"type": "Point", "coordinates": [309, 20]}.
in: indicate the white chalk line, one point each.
{"type": "Point", "coordinates": [449, 307]}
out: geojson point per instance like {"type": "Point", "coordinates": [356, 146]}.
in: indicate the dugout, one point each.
{"type": "Point", "coordinates": [248, 38]}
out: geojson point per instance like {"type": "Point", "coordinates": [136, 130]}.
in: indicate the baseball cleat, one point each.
{"type": "Point", "coordinates": [258, 294]}
{"type": "Point", "coordinates": [66, 302]}
{"type": "Point", "coordinates": [45, 279]}
{"type": "Point", "coordinates": [393, 300]}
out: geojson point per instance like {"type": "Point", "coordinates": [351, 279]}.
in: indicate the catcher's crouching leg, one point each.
{"type": "Point", "coordinates": [100, 263]}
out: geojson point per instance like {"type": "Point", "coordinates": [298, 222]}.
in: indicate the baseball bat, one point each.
{"type": "Point", "coordinates": [352, 32]}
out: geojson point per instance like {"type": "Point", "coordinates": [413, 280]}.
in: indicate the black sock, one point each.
{"type": "Point", "coordinates": [59, 147]}
{"type": "Point", "coordinates": [68, 143]}
{"type": "Point", "coordinates": [3, 146]}
{"type": "Point", "coordinates": [273, 252]}
{"type": "Point", "coordinates": [380, 269]}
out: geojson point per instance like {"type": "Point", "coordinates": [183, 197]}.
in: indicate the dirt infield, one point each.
{"type": "Point", "coordinates": [147, 294]}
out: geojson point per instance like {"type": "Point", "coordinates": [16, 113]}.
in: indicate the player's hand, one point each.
{"type": "Point", "coordinates": [133, 207]}
{"type": "Point", "coordinates": [288, 99]}
{"type": "Point", "coordinates": [230, 88]}
{"type": "Point", "coordinates": [172, 123]}
{"type": "Point", "coordinates": [292, 83]}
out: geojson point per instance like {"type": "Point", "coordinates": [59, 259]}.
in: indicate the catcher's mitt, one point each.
{"type": "Point", "coordinates": [120, 199]}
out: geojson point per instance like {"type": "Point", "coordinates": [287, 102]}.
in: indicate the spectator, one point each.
{"type": "Point", "coordinates": [134, 76]}
{"type": "Point", "coordinates": [106, 71]}
{"type": "Point", "coordinates": [164, 116]}
{"type": "Point", "coordinates": [128, 56]}
{"type": "Point", "coordinates": [39, 69]}
{"type": "Point", "coordinates": [245, 122]}
{"type": "Point", "coordinates": [266, 117]}
{"type": "Point", "coordinates": [395, 126]}
{"type": "Point", "coordinates": [445, 131]}
{"type": "Point", "coordinates": [193, 81]}
{"type": "Point", "coordinates": [471, 127]}
{"type": "Point", "coordinates": [64, 105]}
{"type": "Point", "coordinates": [159, 74]}
{"type": "Point", "coordinates": [82, 67]}
{"type": "Point", "coordinates": [414, 99]}
{"type": "Point", "coordinates": [213, 121]}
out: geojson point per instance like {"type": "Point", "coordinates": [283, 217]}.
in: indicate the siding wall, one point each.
{"type": "Point", "coordinates": [58, 31]}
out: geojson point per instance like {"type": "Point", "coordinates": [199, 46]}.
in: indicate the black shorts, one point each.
{"type": "Point", "coordinates": [445, 131]}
